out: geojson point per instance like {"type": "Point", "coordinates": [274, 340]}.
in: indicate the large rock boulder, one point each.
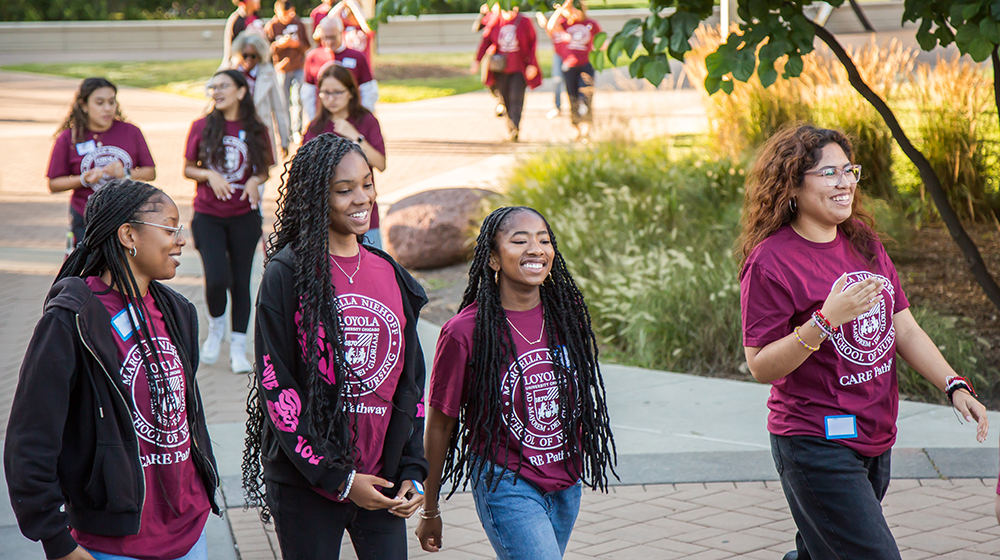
{"type": "Point", "coordinates": [433, 229]}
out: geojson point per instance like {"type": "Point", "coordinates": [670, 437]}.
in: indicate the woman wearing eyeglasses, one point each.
{"type": "Point", "coordinates": [824, 317]}
{"type": "Point", "coordinates": [254, 61]}
{"type": "Point", "coordinates": [107, 453]}
{"type": "Point", "coordinates": [341, 113]}
{"type": "Point", "coordinates": [228, 155]}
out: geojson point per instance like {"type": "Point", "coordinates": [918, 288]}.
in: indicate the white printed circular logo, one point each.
{"type": "Point", "coordinates": [103, 156]}
{"type": "Point", "coordinates": [169, 428]}
{"type": "Point", "coordinates": [507, 39]}
{"type": "Point", "coordinates": [867, 339]}
{"type": "Point", "coordinates": [579, 37]}
{"type": "Point", "coordinates": [364, 322]}
{"type": "Point", "coordinates": [542, 429]}
{"type": "Point", "coordinates": [237, 159]}
{"type": "Point", "coordinates": [356, 39]}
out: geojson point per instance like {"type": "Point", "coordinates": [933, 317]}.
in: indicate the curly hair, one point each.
{"type": "Point", "coordinates": [76, 120]}
{"type": "Point", "coordinates": [303, 222]}
{"type": "Point", "coordinates": [571, 341]}
{"type": "Point", "coordinates": [776, 177]}
{"type": "Point", "coordinates": [212, 150]}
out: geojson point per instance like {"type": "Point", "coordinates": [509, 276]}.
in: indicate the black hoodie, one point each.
{"type": "Point", "coordinates": [70, 438]}
{"type": "Point", "coordinates": [276, 335]}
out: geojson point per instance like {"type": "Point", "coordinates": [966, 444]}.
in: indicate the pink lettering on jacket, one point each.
{"type": "Point", "coordinates": [269, 380]}
{"type": "Point", "coordinates": [306, 451]}
{"type": "Point", "coordinates": [285, 412]}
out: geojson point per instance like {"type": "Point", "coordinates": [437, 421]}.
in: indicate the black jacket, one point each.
{"type": "Point", "coordinates": [276, 336]}
{"type": "Point", "coordinates": [70, 438]}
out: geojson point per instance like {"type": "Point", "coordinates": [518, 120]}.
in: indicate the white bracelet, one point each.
{"type": "Point", "coordinates": [347, 487]}
{"type": "Point", "coordinates": [434, 514]}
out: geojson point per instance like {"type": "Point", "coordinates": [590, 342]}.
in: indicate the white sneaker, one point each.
{"type": "Point", "coordinates": [238, 354]}
{"type": "Point", "coordinates": [553, 113]}
{"type": "Point", "coordinates": [213, 344]}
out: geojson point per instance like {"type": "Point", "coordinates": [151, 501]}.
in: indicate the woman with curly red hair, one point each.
{"type": "Point", "coordinates": [824, 316]}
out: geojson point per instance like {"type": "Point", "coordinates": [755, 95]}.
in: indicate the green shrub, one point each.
{"type": "Point", "coordinates": [964, 352]}
{"type": "Point", "coordinates": [648, 233]}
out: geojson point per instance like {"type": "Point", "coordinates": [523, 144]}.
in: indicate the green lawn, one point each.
{"type": "Point", "coordinates": [188, 77]}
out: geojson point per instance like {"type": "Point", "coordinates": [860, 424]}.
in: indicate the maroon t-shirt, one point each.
{"type": "Point", "coordinates": [368, 126]}
{"type": "Point", "coordinates": [785, 279]}
{"type": "Point", "coordinates": [176, 505]}
{"type": "Point", "coordinates": [351, 59]}
{"type": "Point", "coordinates": [318, 14]}
{"type": "Point", "coordinates": [355, 38]}
{"type": "Point", "coordinates": [516, 40]}
{"type": "Point", "coordinates": [236, 169]}
{"type": "Point", "coordinates": [373, 322]}
{"type": "Point", "coordinates": [122, 142]}
{"type": "Point", "coordinates": [530, 403]}
{"type": "Point", "coordinates": [575, 42]}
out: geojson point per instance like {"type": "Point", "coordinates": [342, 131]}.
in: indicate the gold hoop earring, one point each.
{"type": "Point", "coordinates": [133, 251]}
{"type": "Point", "coordinates": [496, 277]}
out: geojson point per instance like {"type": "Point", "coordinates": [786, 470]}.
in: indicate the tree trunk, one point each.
{"type": "Point", "coordinates": [927, 175]}
{"type": "Point", "coordinates": [996, 75]}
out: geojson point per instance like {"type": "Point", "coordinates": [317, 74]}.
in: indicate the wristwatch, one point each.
{"type": "Point", "coordinates": [361, 138]}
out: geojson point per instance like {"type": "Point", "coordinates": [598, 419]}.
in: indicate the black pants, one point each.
{"type": "Point", "coordinates": [511, 88]}
{"type": "Point", "coordinates": [77, 227]}
{"type": "Point", "coordinates": [580, 87]}
{"type": "Point", "coordinates": [227, 246]}
{"type": "Point", "coordinates": [835, 495]}
{"type": "Point", "coordinates": [311, 527]}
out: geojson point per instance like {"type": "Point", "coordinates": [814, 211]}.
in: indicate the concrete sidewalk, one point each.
{"type": "Point", "coordinates": [697, 480]}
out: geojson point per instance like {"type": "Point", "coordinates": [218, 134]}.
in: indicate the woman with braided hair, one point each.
{"type": "Point", "coordinates": [107, 455]}
{"type": "Point", "coordinates": [335, 433]}
{"type": "Point", "coordinates": [517, 404]}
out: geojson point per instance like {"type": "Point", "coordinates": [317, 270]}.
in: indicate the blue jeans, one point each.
{"type": "Point", "coordinates": [522, 522]}
{"type": "Point", "coordinates": [293, 81]}
{"type": "Point", "coordinates": [198, 552]}
{"type": "Point", "coordinates": [557, 78]}
{"type": "Point", "coordinates": [835, 496]}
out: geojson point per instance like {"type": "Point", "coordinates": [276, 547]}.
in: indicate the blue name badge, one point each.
{"type": "Point", "coordinates": [841, 427]}
{"type": "Point", "coordinates": [84, 148]}
{"type": "Point", "coordinates": [121, 323]}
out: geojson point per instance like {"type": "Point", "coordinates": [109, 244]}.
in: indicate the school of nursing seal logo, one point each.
{"type": "Point", "coordinates": [364, 322]}
{"type": "Point", "coordinates": [542, 428]}
{"type": "Point", "coordinates": [507, 39]}
{"type": "Point", "coordinates": [103, 156]}
{"type": "Point", "coordinates": [237, 159]}
{"type": "Point", "coordinates": [579, 37]}
{"type": "Point", "coordinates": [869, 337]}
{"type": "Point", "coordinates": [167, 426]}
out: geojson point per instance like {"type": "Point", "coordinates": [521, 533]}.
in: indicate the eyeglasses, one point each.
{"type": "Point", "coordinates": [250, 55]}
{"type": "Point", "coordinates": [331, 94]}
{"type": "Point", "coordinates": [176, 230]}
{"type": "Point", "coordinates": [219, 87]}
{"type": "Point", "coordinates": [834, 175]}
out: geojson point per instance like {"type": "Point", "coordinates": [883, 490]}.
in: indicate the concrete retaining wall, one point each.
{"type": "Point", "coordinates": [190, 39]}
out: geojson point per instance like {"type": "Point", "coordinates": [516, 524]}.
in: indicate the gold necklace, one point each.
{"type": "Point", "coordinates": [540, 335]}
{"type": "Point", "coordinates": [350, 277]}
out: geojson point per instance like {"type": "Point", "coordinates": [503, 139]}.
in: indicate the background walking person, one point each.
{"type": "Point", "coordinates": [254, 61]}
{"type": "Point", "coordinates": [289, 43]}
{"type": "Point", "coordinates": [517, 404]}
{"type": "Point", "coordinates": [228, 154]}
{"type": "Point", "coordinates": [93, 146]}
{"type": "Point", "coordinates": [572, 35]}
{"type": "Point", "coordinates": [824, 319]}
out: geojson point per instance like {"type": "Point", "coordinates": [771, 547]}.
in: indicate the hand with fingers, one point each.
{"type": "Point", "coordinates": [973, 411]}
{"type": "Point", "coordinates": [429, 533]}
{"type": "Point", "coordinates": [221, 187]}
{"type": "Point", "coordinates": [845, 305]}
{"type": "Point", "coordinates": [412, 499]}
{"type": "Point", "coordinates": [365, 494]}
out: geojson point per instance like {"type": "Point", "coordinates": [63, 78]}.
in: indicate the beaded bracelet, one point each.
{"type": "Point", "coordinates": [823, 333]}
{"type": "Point", "coordinates": [954, 383]}
{"type": "Point", "coordinates": [433, 515]}
{"type": "Point", "coordinates": [347, 487]}
{"type": "Point", "coordinates": [804, 343]}
{"type": "Point", "coordinates": [826, 322]}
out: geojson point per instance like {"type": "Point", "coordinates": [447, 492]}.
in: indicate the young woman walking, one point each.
{"type": "Point", "coordinates": [107, 455]}
{"type": "Point", "coordinates": [335, 434]}
{"type": "Point", "coordinates": [228, 153]}
{"type": "Point", "coordinates": [341, 113]}
{"type": "Point", "coordinates": [824, 317]}
{"type": "Point", "coordinates": [513, 66]}
{"type": "Point", "coordinates": [95, 145]}
{"type": "Point", "coordinates": [517, 404]}
{"type": "Point", "coordinates": [572, 35]}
